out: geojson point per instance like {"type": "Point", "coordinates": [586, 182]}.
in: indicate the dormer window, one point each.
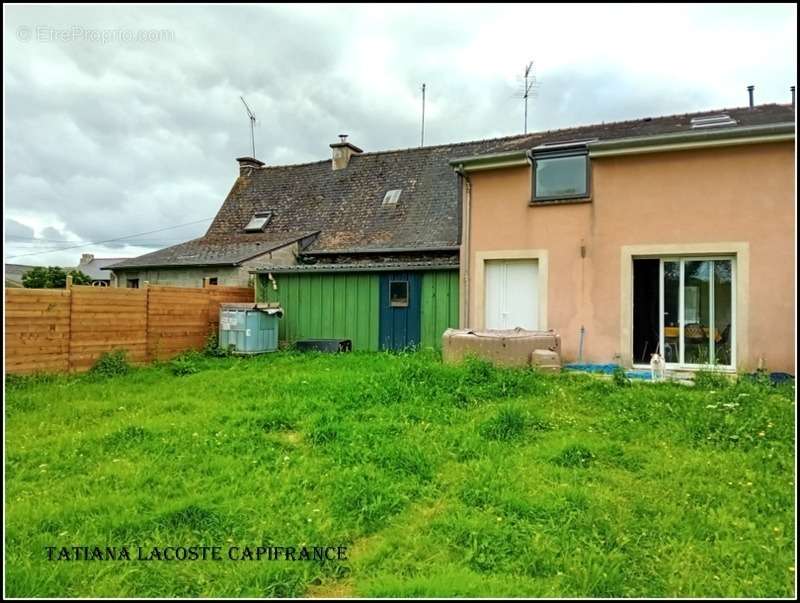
{"type": "Point", "coordinates": [560, 172]}
{"type": "Point", "coordinates": [258, 222]}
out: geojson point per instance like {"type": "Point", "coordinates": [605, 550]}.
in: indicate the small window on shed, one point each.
{"type": "Point", "coordinates": [398, 294]}
{"type": "Point", "coordinates": [133, 283]}
{"type": "Point", "coordinates": [258, 221]}
{"type": "Point", "coordinates": [392, 197]}
{"type": "Point", "coordinates": [212, 280]}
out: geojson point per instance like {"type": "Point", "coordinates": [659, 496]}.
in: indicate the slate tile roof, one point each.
{"type": "Point", "coordinates": [345, 206]}
{"type": "Point", "coordinates": [207, 251]}
{"type": "Point", "coordinates": [95, 269]}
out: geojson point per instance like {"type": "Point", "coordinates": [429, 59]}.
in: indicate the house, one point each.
{"type": "Point", "coordinates": [14, 274]}
{"type": "Point", "coordinates": [94, 268]}
{"type": "Point", "coordinates": [672, 234]}
{"type": "Point", "coordinates": [362, 246]}
{"type": "Point", "coordinates": [596, 231]}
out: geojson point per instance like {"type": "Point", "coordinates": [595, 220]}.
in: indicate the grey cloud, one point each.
{"type": "Point", "coordinates": [17, 229]}
{"type": "Point", "coordinates": [106, 140]}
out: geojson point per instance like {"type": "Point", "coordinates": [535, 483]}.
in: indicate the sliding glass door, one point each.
{"type": "Point", "coordinates": [694, 298]}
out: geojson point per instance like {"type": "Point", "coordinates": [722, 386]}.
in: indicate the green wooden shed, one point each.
{"type": "Point", "coordinates": [375, 306]}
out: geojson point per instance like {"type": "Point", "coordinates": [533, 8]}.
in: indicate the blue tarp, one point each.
{"type": "Point", "coordinates": [775, 378]}
{"type": "Point", "coordinates": [591, 368]}
{"type": "Point", "coordinates": [606, 369]}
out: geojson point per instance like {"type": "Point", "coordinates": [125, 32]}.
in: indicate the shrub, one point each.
{"type": "Point", "coordinates": [111, 364]}
{"type": "Point", "coordinates": [212, 348]}
{"type": "Point", "coordinates": [52, 277]}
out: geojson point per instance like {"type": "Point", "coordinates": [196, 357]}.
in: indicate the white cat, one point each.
{"type": "Point", "coordinates": [657, 366]}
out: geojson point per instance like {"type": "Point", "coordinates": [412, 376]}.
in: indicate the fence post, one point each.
{"type": "Point", "coordinates": [71, 295]}
{"type": "Point", "coordinates": [147, 354]}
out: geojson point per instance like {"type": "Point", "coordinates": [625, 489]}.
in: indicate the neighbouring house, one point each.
{"type": "Point", "coordinates": [672, 234]}
{"type": "Point", "coordinates": [14, 274]}
{"type": "Point", "coordinates": [362, 246]}
{"type": "Point", "coordinates": [95, 269]}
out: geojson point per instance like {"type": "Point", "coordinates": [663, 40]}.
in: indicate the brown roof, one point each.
{"type": "Point", "coordinates": [345, 206]}
{"type": "Point", "coordinates": [207, 251]}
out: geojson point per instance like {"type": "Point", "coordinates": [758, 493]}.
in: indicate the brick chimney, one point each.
{"type": "Point", "coordinates": [342, 151]}
{"type": "Point", "coordinates": [246, 164]}
{"type": "Point", "coordinates": [86, 258]}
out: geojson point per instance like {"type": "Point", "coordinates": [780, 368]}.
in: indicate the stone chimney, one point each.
{"type": "Point", "coordinates": [86, 258]}
{"type": "Point", "coordinates": [342, 152]}
{"type": "Point", "coordinates": [247, 164]}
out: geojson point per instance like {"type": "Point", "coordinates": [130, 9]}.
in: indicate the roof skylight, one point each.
{"type": "Point", "coordinates": [710, 121]}
{"type": "Point", "coordinates": [259, 220]}
{"type": "Point", "coordinates": [392, 197]}
{"type": "Point", "coordinates": [564, 143]}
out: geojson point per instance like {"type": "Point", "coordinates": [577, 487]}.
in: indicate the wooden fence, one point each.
{"type": "Point", "coordinates": [61, 330]}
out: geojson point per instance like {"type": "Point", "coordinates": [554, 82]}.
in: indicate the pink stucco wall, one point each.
{"type": "Point", "coordinates": [739, 193]}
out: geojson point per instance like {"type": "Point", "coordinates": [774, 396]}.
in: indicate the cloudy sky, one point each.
{"type": "Point", "coordinates": [126, 120]}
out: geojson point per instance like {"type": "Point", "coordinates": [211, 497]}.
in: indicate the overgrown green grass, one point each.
{"type": "Point", "coordinates": [440, 480]}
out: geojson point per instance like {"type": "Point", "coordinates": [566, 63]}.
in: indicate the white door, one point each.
{"type": "Point", "coordinates": [512, 294]}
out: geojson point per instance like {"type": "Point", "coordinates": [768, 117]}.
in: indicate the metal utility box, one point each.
{"type": "Point", "coordinates": [248, 328]}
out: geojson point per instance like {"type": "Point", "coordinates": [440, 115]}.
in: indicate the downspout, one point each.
{"type": "Point", "coordinates": [465, 190]}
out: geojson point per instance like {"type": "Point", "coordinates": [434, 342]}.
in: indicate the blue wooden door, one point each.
{"type": "Point", "coordinates": [400, 310]}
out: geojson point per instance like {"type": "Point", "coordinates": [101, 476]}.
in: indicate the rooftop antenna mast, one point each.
{"type": "Point", "coordinates": [530, 83]}
{"type": "Point", "coordinates": [252, 117]}
{"type": "Point", "coordinates": [422, 135]}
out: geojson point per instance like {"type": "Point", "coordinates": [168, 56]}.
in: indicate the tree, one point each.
{"type": "Point", "coordinates": [52, 277]}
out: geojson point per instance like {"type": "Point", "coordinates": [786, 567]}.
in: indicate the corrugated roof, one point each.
{"type": "Point", "coordinates": [438, 264]}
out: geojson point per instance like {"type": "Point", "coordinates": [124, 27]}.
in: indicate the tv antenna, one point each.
{"type": "Point", "coordinates": [252, 117]}
{"type": "Point", "coordinates": [528, 89]}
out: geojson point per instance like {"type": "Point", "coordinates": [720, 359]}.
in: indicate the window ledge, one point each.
{"type": "Point", "coordinates": [535, 203]}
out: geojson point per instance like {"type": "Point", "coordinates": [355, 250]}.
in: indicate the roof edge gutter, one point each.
{"type": "Point", "coordinates": [642, 144]}
{"type": "Point", "coordinates": [491, 161]}
{"type": "Point", "coordinates": [693, 140]}
{"type": "Point", "coordinates": [323, 268]}
{"type": "Point", "coordinates": [381, 250]}
{"type": "Point", "coordinates": [175, 266]}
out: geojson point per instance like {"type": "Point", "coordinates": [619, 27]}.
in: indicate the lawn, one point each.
{"type": "Point", "coordinates": [439, 480]}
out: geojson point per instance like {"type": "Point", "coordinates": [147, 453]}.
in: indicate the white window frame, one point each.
{"type": "Point", "coordinates": [266, 216]}
{"type": "Point", "coordinates": [681, 364]}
